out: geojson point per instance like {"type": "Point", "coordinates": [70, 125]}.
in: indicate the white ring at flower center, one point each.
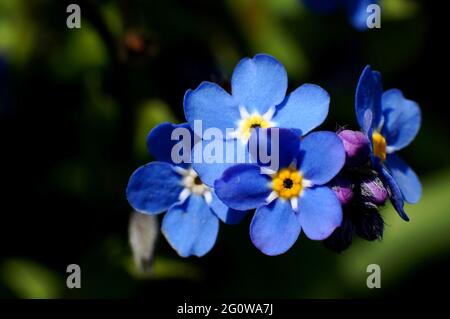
{"type": "Point", "coordinates": [190, 183]}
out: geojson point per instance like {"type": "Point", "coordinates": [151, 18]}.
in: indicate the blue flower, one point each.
{"type": "Point", "coordinates": [391, 122]}
{"type": "Point", "coordinates": [356, 9]}
{"type": "Point", "coordinates": [191, 223]}
{"type": "Point", "coordinates": [258, 99]}
{"type": "Point", "coordinates": [294, 197]}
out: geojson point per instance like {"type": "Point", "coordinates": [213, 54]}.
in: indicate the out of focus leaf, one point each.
{"type": "Point", "coordinates": [265, 33]}
{"type": "Point", "coordinates": [28, 279]}
{"type": "Point", "coordinates": [283, 7]}
{"type": "Point", "coordinates": [113, 18]}
{"type": "Point", "coordinates": [83, 50]}
{"type": "Point", "coordinates": [101, 107]}
{"type": "Point", "coordinates": [398, 9]}
{"type": "Point", "coordinates": [17, 32]}
{"type": "Point", "coordinates": [150, 114]}
{"type": "Point", "coordinates": [164, 268]}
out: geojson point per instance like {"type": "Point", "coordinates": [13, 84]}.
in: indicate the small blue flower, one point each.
{"type": "Point", "coordinates": [294, 197]}
{"type": "Point", "coordinates": [191, 223]}
{"type": "Point", "coordinates": [356, 9]}
{"type": "Point", "coordinates": [390, 122]}
{"type": "Point", "coordinates": [258, 99]}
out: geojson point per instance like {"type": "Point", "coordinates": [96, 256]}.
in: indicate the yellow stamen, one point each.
{"type": "Point", "coordinates": [379, 145]}
{"type": "Point", "coordinates": [277, 184]}
{"type": "Point", "coordinates": [253, 121]}
{"type": "Point", "coordinates": [287, 183]}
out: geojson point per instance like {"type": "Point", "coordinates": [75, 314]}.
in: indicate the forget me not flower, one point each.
{"type": "Point", "coordinates": [294, 197]}
{"type": "Point", "coordinates": [356, 9]}
{"type": "Point", "coordinates": [391, 122]}
{"type": "Point", "coordinates": [257, 100]}
{"type": "Point", "coordinates": [191, 223]}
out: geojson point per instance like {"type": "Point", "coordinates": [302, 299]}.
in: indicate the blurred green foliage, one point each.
{"type": "Point", "coordinates": [17, 36]}
{"type": "Point", "coordinates": [28, 279]}
{"type": "Point", "coordinates": [150, 114]}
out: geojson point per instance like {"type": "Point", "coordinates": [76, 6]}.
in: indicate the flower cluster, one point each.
{"type": "Point", "coordinates": [330, 185]}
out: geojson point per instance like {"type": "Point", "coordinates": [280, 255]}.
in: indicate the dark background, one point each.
{"type": "Point", "coordinates": [76, 105]}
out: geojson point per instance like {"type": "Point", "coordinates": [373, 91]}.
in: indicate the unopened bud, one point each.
{"type": "Point", "coordinates": [373, 191]}
{"type": "Point", "coordinates": [356, 145]}
{"type": "Point", "coordinates": [343, 189]}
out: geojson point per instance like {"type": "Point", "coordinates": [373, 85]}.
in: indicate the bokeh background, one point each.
{"type": "Point", "coordinates": [77, 104]}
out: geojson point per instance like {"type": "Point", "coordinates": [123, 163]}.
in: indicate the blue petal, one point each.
{"type": "Point", "coordinates": [243, 187]}
{"type": "Point", "coordinates": [212, 105]}
{"type": "Point", "coordinates": [406, 179]}
{"type": "Point", "coordinates": [259, 83]}
{"type": "Point", "coordinates": [153, 188]}
{"type": "Point", "coordinates": [191, 228]}
{"type": "Point", "coordinates": [226, 214]}
{"type": "Point", "coordinates": [323, 6]}
{"type": "Point", "coordinates": [321, 157]}
{"type": "Point", "coordinates": [395, 194]}
{"type": "Point", "coordinates": [368, 100]}
{"type": "Point", "coordinates": [277, 155]}
{"type": "Point", "coordinates": [212, 158]}
{"type": "Point", "coordinates": [319, 212]}
{"type": "Point", "coordinates": [357, 12]}
{"type": "Point", "coordinates": [160, 143]}
{"type": "Point", "coordinates": [401, 119]}
{"type": "Point", "coordinates": [304, 109]}
{"type": "Point", "coordinates": [274, 228]}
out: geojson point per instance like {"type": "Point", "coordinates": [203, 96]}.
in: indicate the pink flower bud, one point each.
{"type": "Point", "coordinates": [356, 147]}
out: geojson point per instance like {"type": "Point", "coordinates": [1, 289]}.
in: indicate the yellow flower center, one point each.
{"type": "Point", "coordinates": [379, 145]}
{"type": "Point", "coordinates": [253, 121]}
{"type": "Point", "coordinates": [287, 183]}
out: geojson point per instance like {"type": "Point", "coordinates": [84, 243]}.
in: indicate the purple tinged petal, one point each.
{"type": "Point", "coordinates": [343, 189]}
{"type": "Point", "coordinates": [356, 145]}
{"type": "Point", "coordinates": [373, 191]}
